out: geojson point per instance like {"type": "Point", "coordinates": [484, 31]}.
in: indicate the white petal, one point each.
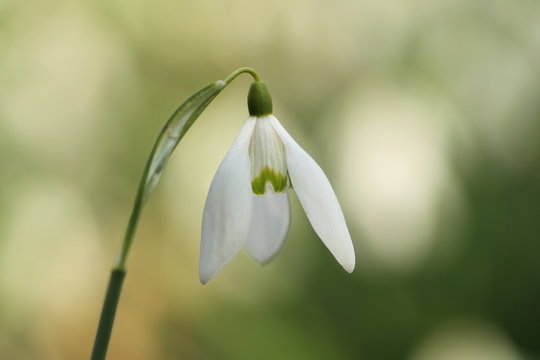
{"type": "Point", "coordinates": [227, 212]}
{"type": "Point", "coordinates": [318, 200]}
{"type": "Point", "coordinates": [270, 221]}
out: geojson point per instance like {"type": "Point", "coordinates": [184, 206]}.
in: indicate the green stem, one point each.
{"type": "Point", "coordinates": [107, 315]}
{"type": "Point", "coordinates": [173, 131]}
{"type": "Point", "coordinates": [121, 259]}
{"type": "Point", "coordinates": [242, 70]}
{"type": "Point", "coordinates": [139, 200]}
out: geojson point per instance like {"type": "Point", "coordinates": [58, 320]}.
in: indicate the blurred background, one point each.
{"type": "Point", "coordinates": [424, 114]}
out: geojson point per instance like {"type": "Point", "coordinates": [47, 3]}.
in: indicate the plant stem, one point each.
{"type": "Point", "coordinates": [242, 70]}
{"type": "Point", "coordinates": [116, 280]}
{"type": "Point", "coordinates": [173, 131]}
{"type": "Point", "coordinates": [107, 315]}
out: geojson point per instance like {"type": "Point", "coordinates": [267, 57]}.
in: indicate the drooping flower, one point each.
{"type": "Point", "coordinates": [248, 204]}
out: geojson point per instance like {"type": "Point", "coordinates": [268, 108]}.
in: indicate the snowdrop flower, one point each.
{"type": "Point", "coordinates": [248, 203]}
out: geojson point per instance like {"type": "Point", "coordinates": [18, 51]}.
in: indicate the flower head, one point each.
{"type": "Point", "coordinates": [248, 204]}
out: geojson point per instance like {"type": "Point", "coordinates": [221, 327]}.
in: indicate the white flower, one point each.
{"type": "Point", "coordinates": [248, 204]}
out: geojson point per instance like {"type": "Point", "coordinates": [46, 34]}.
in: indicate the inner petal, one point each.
{"type": "Point", "coordinates": [268, 165]}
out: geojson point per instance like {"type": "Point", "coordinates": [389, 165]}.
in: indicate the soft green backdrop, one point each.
{"type": "Point", "coordinates": [424, 114]}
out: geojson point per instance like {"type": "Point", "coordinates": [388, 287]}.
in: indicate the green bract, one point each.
{"type": "Point", "coordinates": [173, 131]}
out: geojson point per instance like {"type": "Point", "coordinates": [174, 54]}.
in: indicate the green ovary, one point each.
{"type": "Point", "coordinates": [277, 179]}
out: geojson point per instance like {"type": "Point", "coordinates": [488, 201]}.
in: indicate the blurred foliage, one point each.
{"type": "Point", "coordinates": [424, 115]}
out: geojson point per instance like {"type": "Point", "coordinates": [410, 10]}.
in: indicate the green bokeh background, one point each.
{"type": "Point", "coordinates": [425, 116]}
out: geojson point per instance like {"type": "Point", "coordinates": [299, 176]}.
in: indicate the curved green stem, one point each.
{"type": "Point", "coordinates": [169, 137]}
{"type": "Point", "coordinates": [139, 200]}
{"type": "Point", "coordinates": [242, 70]}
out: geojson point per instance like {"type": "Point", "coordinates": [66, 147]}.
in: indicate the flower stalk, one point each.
{"type": "Point", "coordinates": [169, 137]}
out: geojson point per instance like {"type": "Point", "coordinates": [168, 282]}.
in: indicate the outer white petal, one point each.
{"type": "Point", "coordinates": [270, 221]}
{"type": "Point", "coordinates": [318, 200]}
{"type": "Point", "coordinates": [227, 212]}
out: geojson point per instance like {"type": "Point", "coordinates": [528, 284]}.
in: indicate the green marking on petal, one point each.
{"type": "Point", "coordinates": [276, 178]}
